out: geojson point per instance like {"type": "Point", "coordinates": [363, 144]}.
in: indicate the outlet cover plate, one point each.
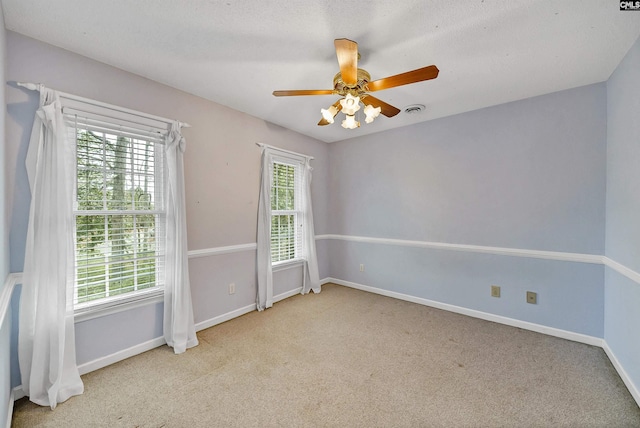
{"type": "Point", "coordinates": [495, 291]}
{"type": "Point", "coordinates": [532, 297]}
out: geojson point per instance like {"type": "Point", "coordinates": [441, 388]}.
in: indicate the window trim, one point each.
{"type": "Point", "coordinates": [287, 264]}
{"type": "Point", "coordinates": [120, 303]}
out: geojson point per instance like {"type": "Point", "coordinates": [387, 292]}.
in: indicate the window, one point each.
{"type": "Point", "coordinates": [286, 212]}
{"type": "Point", "coordinates": [119, 212]}
{"type": "Point", "coordinates": [285, 235]}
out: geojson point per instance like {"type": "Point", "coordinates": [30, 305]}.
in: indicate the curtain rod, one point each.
{"type": "Point", "coordinates": [285, 151]}
{"type": "Point", "coordinates": [36, 87]}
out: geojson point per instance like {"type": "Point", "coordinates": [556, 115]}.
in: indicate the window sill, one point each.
{"type": "Point", "coordinates": [119, 304]}
{"type": "Point", "coordinates": [289, 264]}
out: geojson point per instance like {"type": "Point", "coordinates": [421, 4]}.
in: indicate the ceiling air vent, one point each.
{"type": "Point", "coordinates": [414, 109]}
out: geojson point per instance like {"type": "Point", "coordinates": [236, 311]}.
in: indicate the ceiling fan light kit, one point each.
{"type": "Point", "coordinates": [354, 84]}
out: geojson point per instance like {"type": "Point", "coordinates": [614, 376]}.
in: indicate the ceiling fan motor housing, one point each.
{"type": "Point", "coordinates": [358, 89]}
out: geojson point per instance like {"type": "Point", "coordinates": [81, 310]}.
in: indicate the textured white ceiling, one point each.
{"type": "Point", "coordinates": [236, 52]}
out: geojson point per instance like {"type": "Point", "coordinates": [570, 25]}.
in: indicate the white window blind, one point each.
{"type": "Point", "coordinates": [119, 210]}
{"type": "Point", "coordinates": [286, 212]}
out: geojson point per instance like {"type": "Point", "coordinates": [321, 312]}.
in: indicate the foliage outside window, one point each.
{"type": "Point", "coordinates": [286, 213]}
{"type": "Point", "coordinates": [118, 216]}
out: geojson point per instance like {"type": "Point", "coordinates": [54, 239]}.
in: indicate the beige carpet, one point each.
{"type": "Point", "coordinates": [347, 358]}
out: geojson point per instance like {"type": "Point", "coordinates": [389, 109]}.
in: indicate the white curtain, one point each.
{"type": "Point", "coordinates": [179, 328]}
{"type": "Point", "coordinates": [265, 274]}
{"type": "Point", "coordinates": [46, 340]}
{"type": "Point", "coordinates": [311, 280]}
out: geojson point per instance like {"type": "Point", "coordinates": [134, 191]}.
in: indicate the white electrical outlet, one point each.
{"type": "Point", "coordinates": [361, 268]}
{"type": "Point", "coordinates": [232, 288]}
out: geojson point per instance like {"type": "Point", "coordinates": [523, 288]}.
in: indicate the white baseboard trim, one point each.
{"type": "Point", "coordinates": [10, 409]}
{"type": "Point", "coordinates": [120, 355]}
{"type": "Point", "coordinates": [203, 325]}
{"type": "Point", "coordinates": [17, 393]}
{"type": "Point", "coordinates": [326, 280]}
{"type": "Point", "coordinates": [551, 331]}
{"type": "Point", "coordinates": [633, 389]}
{"type": "Point", "coordinates": [287, 294]}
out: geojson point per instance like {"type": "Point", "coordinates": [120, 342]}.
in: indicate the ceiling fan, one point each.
{"type": "Point", "coordinates": [354, 84]}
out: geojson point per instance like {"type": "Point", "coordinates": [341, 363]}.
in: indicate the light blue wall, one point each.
{"type": "Point", "coordinates": [528, 175]}
{"type": "Point", "coordinates": [622, 295]}
{"type": "Point", "coordinates": [324, 257]}
{"type": "Point", "coordinates": [18, 195]}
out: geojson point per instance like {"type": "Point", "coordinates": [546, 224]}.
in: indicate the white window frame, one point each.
{"type": "Point", "coordinates": [143, 128]}
{"type": "Point", "coordinates": [297, 212]}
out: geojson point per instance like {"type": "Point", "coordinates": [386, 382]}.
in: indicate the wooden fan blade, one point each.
{"type": "Point", "coordinates": [386, 109]}
{"type": "Point", "coordinates": [338, 107]}
{"type": "Point", "coordinates": [303, 92]}
{"type": "Point", "coordinates": [347, 53]}
{"type": "Point", "coordinates": [425, 73]}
